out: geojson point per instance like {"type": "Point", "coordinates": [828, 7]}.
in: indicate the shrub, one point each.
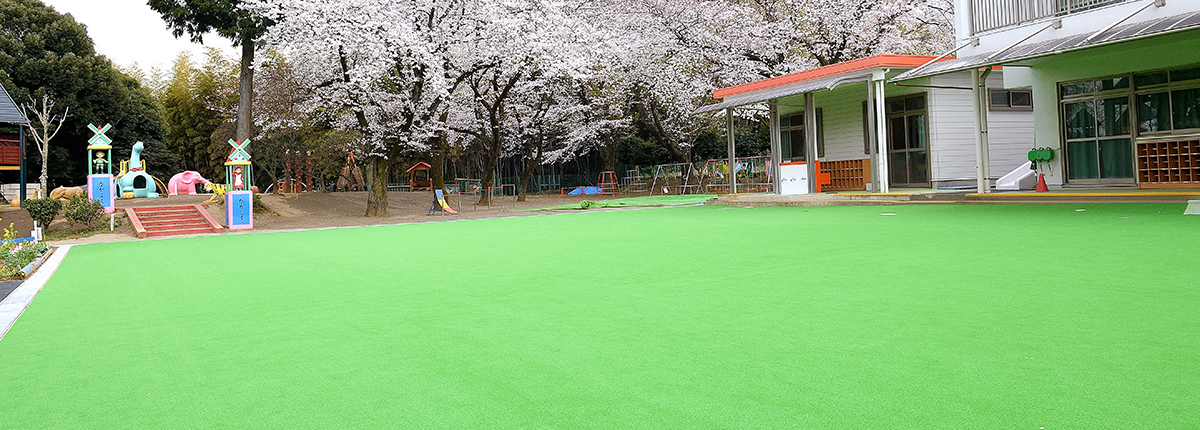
{"type": "Point", "coordinates": [82, 210]}
{"type": "Point", "coordinates": [42, 210]}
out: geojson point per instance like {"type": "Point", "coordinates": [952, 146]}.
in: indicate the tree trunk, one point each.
{"type": "Point", "coordinates": [44, 177]}
{"type": "Point", "coordinates": [246, 92]}
{"type": "Point", "coordinates": [436, 172]}
{"type": "Point", "coordinates": [489, 171]}
{"type": "Point", "coordinates": [608, 153]}
{"type": "Point", "coordinates": [274, 177]}
{"type": "Point", "coordinates": [533, 158]}
{"type": "Point", "coordinates": [377, 198]}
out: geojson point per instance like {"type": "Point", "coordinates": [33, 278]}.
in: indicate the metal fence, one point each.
{"type": "Point", "coordinates": [992, 14]}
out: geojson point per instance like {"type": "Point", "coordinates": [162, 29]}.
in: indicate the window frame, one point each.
{"type": "Point", "coordinates": [924, 111]}
{"type": "Point", "coordinates": [1009, 106]}
{"type": "Point", "coordinates": [790, 128]}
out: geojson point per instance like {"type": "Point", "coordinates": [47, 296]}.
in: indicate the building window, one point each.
{"type": "Point", "coordinates": [791, 137]}
{"type": "Point", "coordinates": [1010, 100]}
{"type": "Point", "coordinates": [1168, 100]}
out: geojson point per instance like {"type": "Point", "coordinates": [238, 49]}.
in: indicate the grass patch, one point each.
{"type": "Point", "coordinates": [989, 316]}
{"type": "Point", "coordinates": [68, 231]}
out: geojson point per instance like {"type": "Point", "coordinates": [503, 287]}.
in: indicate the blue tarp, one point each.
{"type": "Point", "coordinates": [585, 190]}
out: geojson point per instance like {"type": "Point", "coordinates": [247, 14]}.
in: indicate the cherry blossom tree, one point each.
{"type": "Point", "coordinates": [382, 68]}
{"type": "Point", "coordinates": [548, 80]}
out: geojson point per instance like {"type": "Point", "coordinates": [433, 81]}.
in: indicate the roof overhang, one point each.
{"type": "Point", "coordinates": [1036, 50]}
{"type": "Point", "coordinates": [820, 78]}
{"type": "Point", "coordinates": [10, 113]}
{"type": "Point", "coordinates": [787, 91]}
{"type": "Point", "coordinates": [421, 165]}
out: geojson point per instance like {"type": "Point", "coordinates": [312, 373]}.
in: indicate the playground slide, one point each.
{"type": "Point", "coordinates": [1021, 178]}
{"type": "Point", "coordinates": [446, 207]}
{"type": "Point", "coordinates": [439, 203]}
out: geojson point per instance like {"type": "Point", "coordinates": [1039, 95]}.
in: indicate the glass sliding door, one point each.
{"type": "Point", "coordinates": [908, 142]}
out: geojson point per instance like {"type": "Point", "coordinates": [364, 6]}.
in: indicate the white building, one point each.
{"type": "Point", "coordinates": [1115, 83]}
{"type": "Point", "coordinates": [924, 128]}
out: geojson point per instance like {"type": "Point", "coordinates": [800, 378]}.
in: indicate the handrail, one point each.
{"type": "Point", "coordinates": [987, 15]}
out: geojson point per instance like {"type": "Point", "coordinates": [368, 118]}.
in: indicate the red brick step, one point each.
{"type": "Point", "coordinates": [172, 220]}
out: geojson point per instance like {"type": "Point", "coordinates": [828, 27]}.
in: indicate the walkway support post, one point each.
{"type": "Point", "coordinates": [881, 150]}
{"type": "Point", "coordinates": [732, 155]}
{"type": "Point", "coordinates": [810, 141]}
{"type": "Point", "coordinates": [776, 148]}
{"type": "Point", "coordinates": [22, 194]}
{"type": "Point", "coordinates": [979, 90]}
{"type": "Point", "coordinates": [872, 144]}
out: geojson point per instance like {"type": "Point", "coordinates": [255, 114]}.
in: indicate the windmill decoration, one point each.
{"type": "Point", "coordinates": [239, 200]}
{"type": "Point", "coordinates": [100, 178]}
{"type": "Point", "coordinates": [238, 171]}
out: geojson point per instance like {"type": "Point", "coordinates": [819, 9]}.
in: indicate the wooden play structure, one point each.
{"type": "Point", "coordinates": [298, 179]}
{"type": "Point", "coordinates": [351, 178]}
{"type": "Point", "coordinates": [12, 145]}
{"type": "Point", "coordinates": [415, 184]}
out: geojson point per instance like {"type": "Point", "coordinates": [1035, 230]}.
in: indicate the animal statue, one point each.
{"type": "Point", "coordinates": [136, 182]}
{"type": "Point", "coordinates": [185, 183]}
{"type": "Point", "coordinates": [218, 191]}
{"type": "Point", "coordinates": [65, 193]}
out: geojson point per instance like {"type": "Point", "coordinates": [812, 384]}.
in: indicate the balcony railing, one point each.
{"type": "Point", "coordinates": [992, 14]}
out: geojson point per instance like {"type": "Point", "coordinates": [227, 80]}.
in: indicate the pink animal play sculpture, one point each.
{"type": "Point", "coordinates": [185, 183]}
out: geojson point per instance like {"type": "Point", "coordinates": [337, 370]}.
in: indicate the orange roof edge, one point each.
{"type": "Point", "coordinates": [421, 165]}
{"type": "Point", "coordinates": [874, 61]}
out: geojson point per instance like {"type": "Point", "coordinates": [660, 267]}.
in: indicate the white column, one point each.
{"type": "Point", "coordinates": [873, 149]}
{"type": "Point", "coordinates": [810, 141]}
{"type": "Point", "coordinates": [732, 155]}
{"type": "Point", "coordinates": [979, 90]}
{"type": "Point", "coordinates": [881, 141]}
{"type": "Point", "coordinates": [776, 150]}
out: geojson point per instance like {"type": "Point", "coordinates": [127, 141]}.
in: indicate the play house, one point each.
{"type": "Point", "coordinates": [418, 176]}
{"type": "Point", "coordinates": [865, 134]}
{"type": "Point", "coordinates": [1115, 84]}
{"type": "Point", "coordinates": [12, 144]}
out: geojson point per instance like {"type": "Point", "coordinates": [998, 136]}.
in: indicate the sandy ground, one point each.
{"type": "Point", "coordinates": [300, 211]}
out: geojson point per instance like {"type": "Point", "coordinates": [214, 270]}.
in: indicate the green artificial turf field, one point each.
{"type": "Point", "coordinates": [698, 317]}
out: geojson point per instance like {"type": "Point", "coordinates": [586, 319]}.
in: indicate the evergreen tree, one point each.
{"type": "Point", "coordinates": [44, 52]}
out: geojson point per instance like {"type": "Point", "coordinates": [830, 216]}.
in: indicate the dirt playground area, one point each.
{"type": "Point", "coordinates": [300, 211]}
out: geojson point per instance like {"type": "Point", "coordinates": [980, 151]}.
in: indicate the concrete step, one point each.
{"type": "Point", "coordinates": [200, 223]}
{"type": "Point", "coordinates": [173, 232]}
{"type": "Point", "coordinates": [169, 217]}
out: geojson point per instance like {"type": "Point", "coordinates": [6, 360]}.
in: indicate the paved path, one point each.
{"type": "Point", "coordinates": [7, 287]}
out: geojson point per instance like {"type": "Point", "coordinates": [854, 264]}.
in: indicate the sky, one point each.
{"type": "Point", "coordinates": [128, 32]}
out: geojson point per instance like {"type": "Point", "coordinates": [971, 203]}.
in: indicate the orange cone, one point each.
{"type": "Point", "coordinates": [1041, 186]}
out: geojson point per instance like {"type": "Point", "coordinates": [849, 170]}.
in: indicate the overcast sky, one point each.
{"type": "Point", "coordinates": [128, 32]}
